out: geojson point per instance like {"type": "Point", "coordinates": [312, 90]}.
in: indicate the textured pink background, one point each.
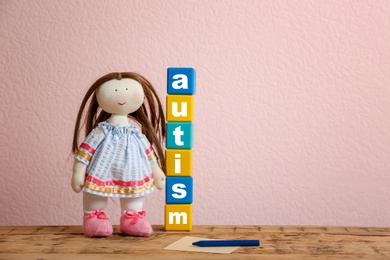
{"type": "Point", "coordinates": [292, 105]}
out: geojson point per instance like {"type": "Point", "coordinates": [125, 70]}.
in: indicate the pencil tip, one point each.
{"type": "Point", "coordinates": [195, 243]}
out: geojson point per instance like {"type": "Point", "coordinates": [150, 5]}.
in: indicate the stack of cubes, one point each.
{"type": "Point", "coordinates": [179, 143]}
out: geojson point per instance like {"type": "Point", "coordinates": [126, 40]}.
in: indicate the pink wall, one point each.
{"type": "Point", "coordinates": [292, 106]}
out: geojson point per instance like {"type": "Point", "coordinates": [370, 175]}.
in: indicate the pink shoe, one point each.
{"type": "Point", "coordinates": [134, 224]}
{"type": "Point", "coordinates": [96, 224]}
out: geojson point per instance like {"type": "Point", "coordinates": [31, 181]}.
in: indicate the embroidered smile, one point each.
{"type": "Point", "coordinates": [121, 104]}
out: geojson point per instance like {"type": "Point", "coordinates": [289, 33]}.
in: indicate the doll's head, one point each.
{"type": "Point", "coordinates": [120, 97]}
{"type": "Point", "coordinates": [123, 93]}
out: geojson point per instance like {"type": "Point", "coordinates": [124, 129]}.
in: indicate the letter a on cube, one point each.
{"type": "Point", "coordinates": [178, 217]}
{"type": "Point", "coordinates": [181, 81]}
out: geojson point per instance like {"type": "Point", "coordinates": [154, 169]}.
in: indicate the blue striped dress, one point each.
{"type": "Point", "coordinates": [119, 160]}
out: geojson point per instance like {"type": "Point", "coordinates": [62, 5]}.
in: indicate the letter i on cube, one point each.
{"type": "Point", "coordinates": [179, 143]}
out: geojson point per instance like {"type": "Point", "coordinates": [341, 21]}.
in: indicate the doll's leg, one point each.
{"type": "Point", "coordinates": [132, 204]}
{"type": "Point", "coordinates": [133, 221]}
{"type": "Point", "coordinates": [92, 203]}
{"type": "Point", "coordinates": [95, 223]}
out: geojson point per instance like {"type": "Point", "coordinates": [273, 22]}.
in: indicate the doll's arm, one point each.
{"type": "Point", "coordinates": [88, 147]}
{"type": "Point", "coordinates": [78, 177]}
{"type": "Point", "coordinates": [159, 176]}
{"type": "Point", "coordinates": [83, 156]}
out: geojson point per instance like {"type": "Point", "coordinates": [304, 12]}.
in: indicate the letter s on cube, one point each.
{"type": "Point", "coordinates": [179, 190]}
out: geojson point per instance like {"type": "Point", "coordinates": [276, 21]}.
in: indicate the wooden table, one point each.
{"type": "Point", "coordinates": [68, 242]}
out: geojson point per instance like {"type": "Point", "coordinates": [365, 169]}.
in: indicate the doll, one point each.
{"type": "Point", "coordinates": [124, 124]}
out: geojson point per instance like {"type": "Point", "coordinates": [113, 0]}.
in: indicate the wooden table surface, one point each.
{"type": "Point", "coordinates": [68, 242]}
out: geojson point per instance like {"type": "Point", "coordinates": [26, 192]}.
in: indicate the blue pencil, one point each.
{"type": "Point", "coordinates": [213, 243]}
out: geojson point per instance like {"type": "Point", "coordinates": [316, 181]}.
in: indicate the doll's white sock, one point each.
{"type": "Point", "coordinates": [91, 202]}
{"type": "Point", "coordinates": [133, 204]}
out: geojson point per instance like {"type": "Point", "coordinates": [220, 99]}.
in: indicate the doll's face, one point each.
{"type": "Point", "coordinates": [120, 97]}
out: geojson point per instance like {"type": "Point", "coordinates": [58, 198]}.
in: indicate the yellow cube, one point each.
{"type": "Point", "coordinates": [178, 217]}
{"type": "Point", "coordinates": [180, 108]}
{"type": "Point", "coordinates": [178, 162]}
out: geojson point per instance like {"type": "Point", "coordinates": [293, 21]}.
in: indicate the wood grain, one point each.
{"type": "Point", "coordinates": [68, 242]}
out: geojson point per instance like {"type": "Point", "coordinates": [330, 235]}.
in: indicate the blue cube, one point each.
{"type": "Point", "coordinates": [179, 135]}
{"type": "Point", "coordinates": [179, 190]}
{"type": "Point", "coordinates": [181, 81]}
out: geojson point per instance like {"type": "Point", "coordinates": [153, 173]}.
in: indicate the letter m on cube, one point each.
{"type": "Point", "coordinates": [178, 217]}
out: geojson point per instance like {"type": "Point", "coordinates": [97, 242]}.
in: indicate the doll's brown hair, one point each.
{"type": "Point", "coordinates": [150, 115]}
